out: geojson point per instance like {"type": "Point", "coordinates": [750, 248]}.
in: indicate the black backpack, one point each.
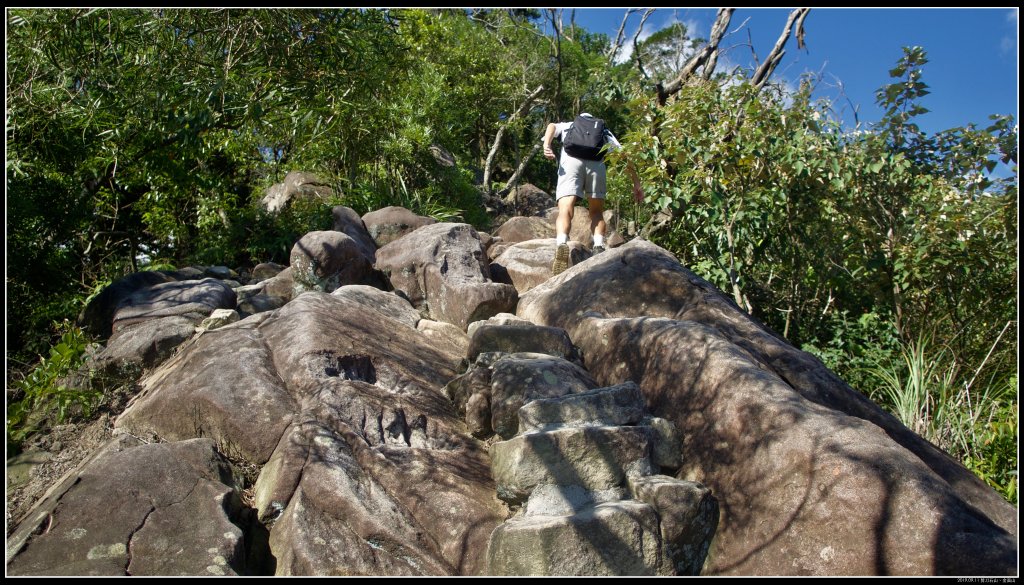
{"type": "Point", "coordinates": [585, 138]}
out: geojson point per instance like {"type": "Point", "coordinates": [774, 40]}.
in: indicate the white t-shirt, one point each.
{"type": "Point", "coordinates": [562, 127]}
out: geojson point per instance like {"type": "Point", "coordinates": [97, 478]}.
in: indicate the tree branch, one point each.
{"type": "Point", "coordinates": [525, 107]}
{"type": "Point", "coordinates": [772, 61]}
{"type": "Point", "coordinates": [619, 36]}
{"type": "Point", "coordinates": [701, 57]}
{"type": "Point", "coordinates": [636, 45]}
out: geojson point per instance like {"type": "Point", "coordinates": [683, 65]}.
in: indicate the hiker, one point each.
{"type": "Point", "coordinates": [581, 171]}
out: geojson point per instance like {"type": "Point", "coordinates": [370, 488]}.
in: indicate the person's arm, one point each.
{"type": "Point", "coordinates": [549, 135]}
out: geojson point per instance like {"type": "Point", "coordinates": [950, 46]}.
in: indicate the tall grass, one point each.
{"type": "Point", "coordinates": [972, 417]}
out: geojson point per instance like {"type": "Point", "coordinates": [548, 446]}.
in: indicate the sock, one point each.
{"type": "Point", "coordinates": [561, 239]}
{"type": "Point", "coordinates": [598, 240]}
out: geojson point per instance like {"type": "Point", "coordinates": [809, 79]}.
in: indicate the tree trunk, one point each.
{"type": "Point", "coordinates": [523, 109]}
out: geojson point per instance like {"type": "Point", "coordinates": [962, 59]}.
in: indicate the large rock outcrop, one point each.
{"type": "Point", "coordinates": [366, 466]}
{"type": "Point", "coordinates": [442, 270]}
{"type": "Point", "coordinates": [626, 416]}
{"type": "Point", "coordinates": [812, 477]}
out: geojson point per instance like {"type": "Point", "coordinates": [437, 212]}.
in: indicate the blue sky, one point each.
{"type": "Point", "coordinates": [972, 70]}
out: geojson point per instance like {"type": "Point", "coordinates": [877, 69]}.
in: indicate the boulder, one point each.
{"type": "Point", "coordinates": [223, 386]}
{"type": "Point", "coordinates": [391, 223]}
{"type": "Point", "coordinates": [445, 337]}
{"type": "Point", "coordinates": [528, 264]}
{"type": "Point", "coordinates": [296, 185]}
{"type": "Point", "coordinates": [265, 270]}
{"type": "Point", "coordinates": [145, 344]}
{"type": "Point", "coordinates": [580, 231]}
{"type": "Point", "coordinates": [519, 339]}
{"type": "Point", "coordinates": [688, 515]}
{"type": "Point", "coordinates": [191, 299]}
{"type": "Point", "coordinates": [348, 222]}
{"type": "Point", "coordinates": [527, 199]}
{"type": "Point", "coordinates": [614, 538]}
{"type": "Point", "coordinates": [592, 457]}
{"type": "Point", "coordinates": [499, 319]}
{"type": "Point", "coordinates": [386, 303]}
{"type": "Point", "coordinates": [442, 270]}
{"type": "Point", "coordinates": [522, 229]}
{"type": "Point", "coordinates": [616, 405]}
{"type": "Point", "coordinates": [136, 509]}
{"type": "Point", "coordinates": [812, 477]}
{"type": "Point", "coordinates": [323, 261]}
{"type": "Point", "coordinates": [98, 315]}
{"type": "Point", "coordinates": [219, 318]}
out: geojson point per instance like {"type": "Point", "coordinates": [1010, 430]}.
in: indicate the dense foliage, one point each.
{"type": "Point", "coordinates": [140, 137]}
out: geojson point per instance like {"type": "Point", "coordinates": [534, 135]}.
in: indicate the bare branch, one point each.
{"type": "Point", "coordinates": [775, 57]}
{"type": "Point", "coordinates": [519, 170]}
{"type": "Point", "coordinates": [523, 109]}
{"type": "Point", "coordinates": [614, 50]}
{"type": "Point", "coordinates": [700, 58]}
{"type": "Point", "coordinates": [636, 45]}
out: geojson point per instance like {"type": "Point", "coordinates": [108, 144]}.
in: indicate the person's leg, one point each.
{"type": "Point", "coordinates": [597, 184]}
{"type": "Point", "coordinates": [597, 223]}
{"type": "Point", "coordinates": [566, 205]}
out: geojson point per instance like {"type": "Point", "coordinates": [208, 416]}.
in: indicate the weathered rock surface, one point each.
{"type": "Point", "coordinates": [812, 477]}
{"type": "Point", "coordinates": [526, 265]}
{"type": "Point", "coordinates": [137, 509]}
{"type": "Point", "coordinates": [442, 270]}
{"type": "Point", "coordinates": [296, 185]}
{"type": "Point", "coordinates": [391, 223]}
{"type": "Point", "coordinates": [324, 261]}
{"type": "Point", "coordinates": [192, 299]}
{"type": "Point", "coordinates": [367, 467]}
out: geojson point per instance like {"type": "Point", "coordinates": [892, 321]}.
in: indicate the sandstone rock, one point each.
{"type": "Point", "coordinates": [391, 223]}
{"type": "Point", "coordinates": [223, 386]}
{"type": "Point", "coordinates": [165, 509]}
{"type": "Point", "coordinates": [499, 319]}
{"type": "Point", "coordinates": [580, 231]}
{"type": "Point", "coordinates": [281, 286]}
{"type": "Point", "coordinates": [615, 538]}
{"type": "Point", "coordinates": [521, 229]}
{"type": "Point", "coordinates": [528, 264]}
{"type": "Point", "coordinates": [324, 261]}
{"type": "Point", "coordinates": [519, 338]}
{"type": "Point", "coordinates": [527, 199]}
{"type": "Point", "coordinates": [595, 458]}
{"type": "Point", "coordinates": [518, 378]}
{"type": "Point", "coordinates": [194, 300]}
{"type": "Point", "coordinates": [145, 344]}
{"type": "Point", "coordinates": [445, 337]}
{"type": "Point", "coordinates": [296, 185]}
{"type": "Point", "coordinates": [813, 478]}
{"type": "Point", "coordinates": [617, 405]}
{"type": "Point", "coordinates": [265, 270]}
{"type": "Point", "coordinates": [688, 515]}
{"type": "Point", "coordinates": [219, 318]}
{"type": "Point", "coordinates": [386, 303]}
{"type": "Point", "coordinates": [348, 222]}
{"type": "Point", "coordinates": [220, 272]}
{"type": "Point", "coordinates": [98, 315]}
{"type": "Point", "coordinates": [442, 270]}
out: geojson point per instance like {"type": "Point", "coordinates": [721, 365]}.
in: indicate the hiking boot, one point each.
{"type": "Point", "coordinates": [561, 260]}
{"type": "Point", "coordinates": [598, 249]}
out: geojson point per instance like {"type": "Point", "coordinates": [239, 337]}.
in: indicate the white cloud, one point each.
{"type": "Point", "coordinates": [1012, 16]}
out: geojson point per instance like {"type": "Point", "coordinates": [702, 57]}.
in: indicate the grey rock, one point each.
{"type": "Point", "coordinates": [613, 406]}
{"type": "Point", "coordinates": [688, 514]}
{"type": "Point", "coordinates": [615, 538]}
{"type": "Point", "coordinates": [595, 458]}
{"type": "Point", "coordinates": [391, 223]}
{"type": "Point", "coordinates": [174, 504]}
{"type": "Point", "coordinates": [519, 338]}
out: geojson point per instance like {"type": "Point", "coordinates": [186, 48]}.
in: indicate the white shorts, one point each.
{"type": "Point", "coordinates": [578, 177]}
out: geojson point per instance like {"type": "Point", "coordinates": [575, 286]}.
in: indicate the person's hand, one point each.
{"type": "Point", "coordinates": [548, 153]}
